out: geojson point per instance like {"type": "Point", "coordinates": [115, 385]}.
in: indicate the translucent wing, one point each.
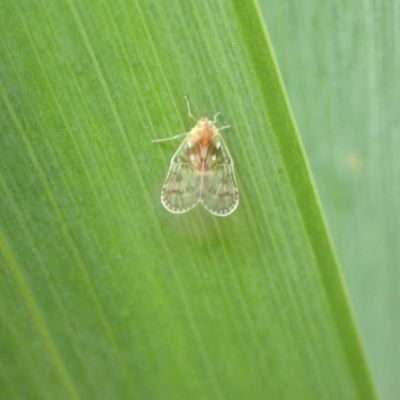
{"type": "Point", "coordinates": [220, 194]}
{"type": "Point", "coordinates": [181, 190]}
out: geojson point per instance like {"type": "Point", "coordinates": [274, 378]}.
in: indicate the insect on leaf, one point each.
{"type": "Point", "coordinates": [201, 171]}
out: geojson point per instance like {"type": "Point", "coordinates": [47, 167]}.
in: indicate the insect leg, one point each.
{"type": "Point", "coordinates": [188, 107]}
{"type": "Point", "coordinates": [170, 138]}
{"type": "Point", "coordinates": [215, 117]}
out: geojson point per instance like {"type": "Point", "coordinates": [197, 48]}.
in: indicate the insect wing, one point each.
{"type": "Point", "coordinates": [220, 194]}
{"type": "Point", "coordinates": [181, 190]}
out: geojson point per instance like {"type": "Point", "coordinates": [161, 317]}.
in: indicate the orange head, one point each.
{"type": "Point", "coordinates": [205, 131]}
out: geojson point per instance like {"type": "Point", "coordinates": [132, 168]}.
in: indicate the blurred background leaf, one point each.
{"type": "Point", "coordinates": [341, 66]}
{"type": "Point", "coordinates": [103, 293]}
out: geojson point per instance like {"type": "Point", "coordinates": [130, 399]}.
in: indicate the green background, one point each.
{"type": "Point", "coordinates": [341, 66]}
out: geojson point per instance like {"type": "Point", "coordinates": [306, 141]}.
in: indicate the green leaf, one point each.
{"type": "Point", "coordinates": [341, 66]}
{"type": "Point", "coordinates": [106, 295]}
